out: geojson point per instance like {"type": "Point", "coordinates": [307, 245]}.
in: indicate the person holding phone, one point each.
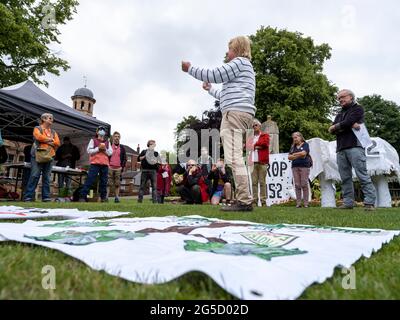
{"type": "Point", "coordinates": [100, 151]}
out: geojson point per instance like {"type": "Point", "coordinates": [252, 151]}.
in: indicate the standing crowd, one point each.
{"type": "Point", "coordinates": [205, 180]}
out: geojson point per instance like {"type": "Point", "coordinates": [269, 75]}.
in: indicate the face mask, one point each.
{"type": "Point", "coordinates": [101, 133]}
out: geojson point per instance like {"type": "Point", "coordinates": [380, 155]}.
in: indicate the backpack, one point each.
{"type": "Point", "coordinates": [43, 155]}
{"type": "Point", "coordinates": [76, 195]}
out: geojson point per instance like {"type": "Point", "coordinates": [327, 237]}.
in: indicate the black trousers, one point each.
{"type": "Point", "coordinates": [190, 195]}
{"type": "Point", "coordinates": [152, 176]}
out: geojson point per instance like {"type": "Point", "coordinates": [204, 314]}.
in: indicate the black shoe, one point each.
{"type": "Point", "coordinates": [344, 207]}
{"type": "Point", "coordinates": [28, 200]}
{"type": "Point", "coordinates": [82, 200]}
{"type": "Point", "coordinates": [116, 200]}
{"type": "Point", "coordinates": [140, 201]}
{"type": "Point", "coordinates": [238, 207]}
{"type": "Point", "coordinates": [369, 207]}
{"type": "Point", "coordinates": [46, 200]}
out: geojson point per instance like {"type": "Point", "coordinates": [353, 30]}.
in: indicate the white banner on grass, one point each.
{"type": "Point", "coordinates": [250, 261]}
{"type": "Point", "coordinates": [12, 212]}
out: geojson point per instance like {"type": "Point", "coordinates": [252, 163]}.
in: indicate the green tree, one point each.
{"type": "Point", "coordinates": [382, 117]}
{"type": "Point", "coordinates": [169, 156]}
{"type": "Point", "coordinates": [291, 86]}
{"type": "Point", "coordinates": [186, 123]}
{"type": "Point", "coordinates": [29, 28]}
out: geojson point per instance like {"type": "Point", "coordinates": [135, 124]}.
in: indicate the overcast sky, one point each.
{"type": "Point", "coordinates": [131, 53]}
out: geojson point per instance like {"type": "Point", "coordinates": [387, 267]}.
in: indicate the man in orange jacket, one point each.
{"type": "Point", "coordinates": [46, 138]}
{"type": "Point", "coordinates": [258, 161]}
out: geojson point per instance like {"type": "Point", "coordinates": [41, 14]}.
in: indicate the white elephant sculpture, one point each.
{"type": "Point", "coordinates": [382, 165]}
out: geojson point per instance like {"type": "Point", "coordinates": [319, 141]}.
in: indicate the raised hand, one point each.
{"type": "Point", "coordinates": [185, 66]}
{"type": "Point", "coordinates": [207, 86]}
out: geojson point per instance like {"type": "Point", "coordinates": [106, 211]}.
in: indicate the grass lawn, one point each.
{"type": "Point", "coordinates": [21, 265]}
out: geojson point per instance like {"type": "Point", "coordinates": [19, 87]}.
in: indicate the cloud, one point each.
{"type": "Point", "coordinates": [151, 112]}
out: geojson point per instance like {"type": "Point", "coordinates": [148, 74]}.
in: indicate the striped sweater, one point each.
{"type": "Point", "coordinates": [239, 84]}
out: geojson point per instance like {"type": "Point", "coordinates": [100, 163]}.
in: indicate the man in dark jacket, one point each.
{"type": "Point", "coordinates": [350, 152]}
{"type": "Point", "coordinates": [66, 156]}
{"type": "Point", "coordinates": [26, 172]}
{"type": "Point", "coordinates": [149, 163]}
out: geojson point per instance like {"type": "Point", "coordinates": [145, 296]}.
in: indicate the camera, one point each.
{"type": "Point", "coordinates": [212, 118]}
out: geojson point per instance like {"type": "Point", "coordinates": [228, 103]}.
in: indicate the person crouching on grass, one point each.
{"type": "Point", "coordinates": [100, 151]}
{"type": "Point", "coordinates": [221, 177]}
{"type": "Point", "coordinates": [193, 189]}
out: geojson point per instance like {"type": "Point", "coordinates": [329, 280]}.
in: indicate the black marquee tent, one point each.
{"type": "Point", "coordinates": [22, 105]}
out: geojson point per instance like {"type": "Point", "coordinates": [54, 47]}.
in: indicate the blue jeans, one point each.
{"type": "Point", "coordinates": [95, 170]}
{"type": "Point", "coordinates": [64, 179]}
{"type": "Point", "coordinates": [38, 169]}
{"type": "Point", "coordinates": [26, 173]}
{"type": "Point", "coordinates": [355, 158]}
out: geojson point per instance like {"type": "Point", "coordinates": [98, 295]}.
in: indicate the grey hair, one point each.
{"type": "Point", "coordinates": [351, 93]}
{"type": "Point", "coordinates": [297, 133]}
{"type": "Point", "coordinates": [45, 116]}
{"type": "Point", "coordinates": [256, 121]}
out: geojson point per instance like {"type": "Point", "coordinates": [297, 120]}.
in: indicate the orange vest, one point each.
{"type": "Point", "coordinates": [40, 134]}
{"type": "Point", "coordinates": [100, 158]}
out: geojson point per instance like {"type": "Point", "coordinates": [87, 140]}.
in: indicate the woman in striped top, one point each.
{"type": "Point", "coordinates": [236, 98]}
